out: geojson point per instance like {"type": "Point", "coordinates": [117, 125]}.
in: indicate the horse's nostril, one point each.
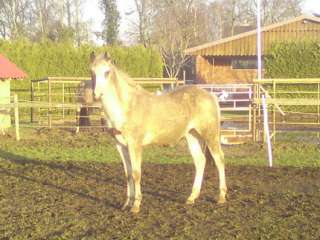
{"type": "Point", "coordinates": [97, 96]}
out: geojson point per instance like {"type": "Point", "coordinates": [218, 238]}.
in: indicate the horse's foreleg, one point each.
{"type": "Point", "coordinates": [217, 153]}
{"type": "Point", "coordinates": [124, 153]}
{"type": "Point", "coordinates": [199, 160]}
{"type": "Point", "coordinates": [135, 152]}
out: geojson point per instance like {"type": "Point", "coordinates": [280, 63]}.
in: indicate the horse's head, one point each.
{"type": "Point", "coordinates": [100, 73]}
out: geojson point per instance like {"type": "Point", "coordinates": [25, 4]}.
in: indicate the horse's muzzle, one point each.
{"type": "Point", "coordinates": [97, 96]}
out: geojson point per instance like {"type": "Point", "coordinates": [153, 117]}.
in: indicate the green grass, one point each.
{"type": "Point", "coordinates": [62, 145]}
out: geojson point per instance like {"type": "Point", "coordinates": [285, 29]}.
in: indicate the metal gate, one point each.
{"type": "Point", "coordinates": [235, 102]}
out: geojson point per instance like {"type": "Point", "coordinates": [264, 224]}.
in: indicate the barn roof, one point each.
{"type": "Point", "coordinates": [303, 27]}
{"type": "Point", "coordinates": [10, 70]}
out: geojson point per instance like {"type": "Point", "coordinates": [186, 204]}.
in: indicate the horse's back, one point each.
{"type": "Point", "coordinates": [203, 108]}
{"type": "Point", "coordinates": [196, 97]}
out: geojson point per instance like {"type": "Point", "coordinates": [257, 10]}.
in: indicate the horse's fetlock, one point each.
{"type": "Point", "coordinates": [136, 175]}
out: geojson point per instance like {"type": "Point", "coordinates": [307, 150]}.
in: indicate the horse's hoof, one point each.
{"type": "Point", "coordinates": [124, 207]}
{"type": "Point", "coordinates": [221, 200]}
{"type": "Point", "coordinates": [135, 210]}
{"type": "Point", "coordinates": [190, 202]}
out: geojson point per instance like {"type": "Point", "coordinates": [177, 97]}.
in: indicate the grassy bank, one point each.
{"type": "Point", "coordinates": [63, 145]}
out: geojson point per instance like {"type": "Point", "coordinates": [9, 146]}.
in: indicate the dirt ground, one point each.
{"type": "Point", "coordinates": [81, 200]}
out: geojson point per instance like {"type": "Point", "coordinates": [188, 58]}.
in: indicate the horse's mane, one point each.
{"type": "Point", "coordinates": [120, 74]}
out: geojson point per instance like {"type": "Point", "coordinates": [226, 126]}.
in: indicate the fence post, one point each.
{"type": "Point", "coordinates": [254, 113]}
{"type": "Point", "coordinates": [16, 116]}
{"type": "Point", "coordinates": [266, 129]}
{"type": "Point", "coordinates": [274, 112]}
{"type": "Point", "coordinates": [32, 99]}
{"type": "Point", "coordinates": [318, 107]}
{"type": "Point", "coordinates": [78, 119]}
{"type": "Point", "coordinates": [39, 100]}
{"type": "Point", "coordinates": [49, 101]}
{"type": "Point", "coordinates": [63, 100]}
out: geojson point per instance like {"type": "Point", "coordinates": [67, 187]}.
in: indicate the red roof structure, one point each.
{"type": "Point", "coordinates": [10, 70]}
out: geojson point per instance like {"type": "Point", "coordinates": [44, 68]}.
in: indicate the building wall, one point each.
{"type": "Point", "coordinates": [5, 121]}
{"type": "Point", "coordinates": [218, 70]}
{"type": "Point", "coordinates": [204, 69]}
{"type": "Point", "coordinates": [213, 60]}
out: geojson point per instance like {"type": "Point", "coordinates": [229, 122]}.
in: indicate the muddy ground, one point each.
{"type": "Point", "coordinates": [81, 200]}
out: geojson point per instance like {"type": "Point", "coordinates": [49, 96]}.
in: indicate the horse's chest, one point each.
{"type": "Point", "coordinates": [114, 112]}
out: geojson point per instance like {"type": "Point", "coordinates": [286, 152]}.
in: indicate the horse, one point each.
{"type": "Point", "coordinates": [139, 118]}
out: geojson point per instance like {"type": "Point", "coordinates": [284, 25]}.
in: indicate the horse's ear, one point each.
{"type": "Point", "coordinates": [107, 56]}
{"type": "Point", "coordinates": [92, 56]}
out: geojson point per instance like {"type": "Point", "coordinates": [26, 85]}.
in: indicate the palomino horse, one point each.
{"type": "Point", "coordinates": [139, 118]}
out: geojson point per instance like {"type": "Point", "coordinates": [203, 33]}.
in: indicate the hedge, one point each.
{"type": "Point", "coordinates": [293, 60]}
{"type": "Point", "coordinates": [43, 59]}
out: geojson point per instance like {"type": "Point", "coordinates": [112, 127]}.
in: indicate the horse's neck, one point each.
{"type": "Point", "coordinates": [116, 100]}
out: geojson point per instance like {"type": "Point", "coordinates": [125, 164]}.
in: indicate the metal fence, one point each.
{"type": "Point", "coordinates": [236, 109]}
{"type": "Point", "coordinates": [294, 106]}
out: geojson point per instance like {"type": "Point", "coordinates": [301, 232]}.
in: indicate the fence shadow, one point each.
{"type": "Point", "coordinates": [72, 170]}
{"type": "Point", "coordinates": [69, 169]}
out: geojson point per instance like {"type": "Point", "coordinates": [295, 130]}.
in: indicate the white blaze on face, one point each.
{"type": "Point", "coordinates": [101, 71]}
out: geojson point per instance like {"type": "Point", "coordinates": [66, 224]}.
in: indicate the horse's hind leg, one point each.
{"type": "Point", "coordinates": [217, 153]}
{"type": "Point", "coordinates": [194, 144]}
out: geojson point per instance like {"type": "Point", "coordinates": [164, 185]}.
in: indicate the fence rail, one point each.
{"type": "Point", "coordinates": [294, 99]}
{"type": "Point", "coordinates": [239, 104]}
{"type": "Point", "coordinates": [68, 92]}
{"type": "Point", "coordinates": [236, 109]}
{"type": "Point", "coordinates": [147, 80]}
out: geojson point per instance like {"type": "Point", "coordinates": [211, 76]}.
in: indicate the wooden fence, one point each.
{"type": "Point", "coordinates": [65, 90]}
{"type": "Point", "coordinates": [294, 105]}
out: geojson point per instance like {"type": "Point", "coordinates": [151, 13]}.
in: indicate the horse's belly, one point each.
{"type": "Point", "coordinates": [164, 136]}
{"type": "Point", "coordinates": [167, 140]}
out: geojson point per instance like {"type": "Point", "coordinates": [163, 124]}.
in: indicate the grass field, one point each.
{"type": "Point", "coordinates": [58, 185]}
{"type": "Point", "coordinates": [64, 145]}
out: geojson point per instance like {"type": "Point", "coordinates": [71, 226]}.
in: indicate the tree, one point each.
{"type": "Point", "coordinates": [273, 11]}
{"type": "Point", "coordinates": [228, 15]}
{"type": "Point", "coordinates": [13, 17]}
{"type": "Point", "coordinates": [146, 12]}
{"type": "Point", "coordinates": [177, 25]}
{"type": "Point", "coordinates": [111, 21]}
{"type": "Point", "coordinates": [38, 20]}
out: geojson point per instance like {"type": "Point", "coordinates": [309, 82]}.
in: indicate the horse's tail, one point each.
{"type": "Point", "coordinates": [209, 129]}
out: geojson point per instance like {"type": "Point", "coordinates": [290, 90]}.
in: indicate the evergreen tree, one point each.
{"type": "Point", "coordinates": [111, 21]}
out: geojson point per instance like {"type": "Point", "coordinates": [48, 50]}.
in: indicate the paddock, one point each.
{"type": "Point", "coordinates": [61, 175]}
{"type": "Point", "coordinates": [54, 184]}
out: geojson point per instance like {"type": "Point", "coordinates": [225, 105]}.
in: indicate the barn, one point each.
{"type": "Point", "coordinates": [234, 59]}
{"type": "Point", "coordinates": [8, 72]}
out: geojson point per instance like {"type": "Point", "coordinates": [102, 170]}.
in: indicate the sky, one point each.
{"type": "Point", "coordinates": [92, 12]}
